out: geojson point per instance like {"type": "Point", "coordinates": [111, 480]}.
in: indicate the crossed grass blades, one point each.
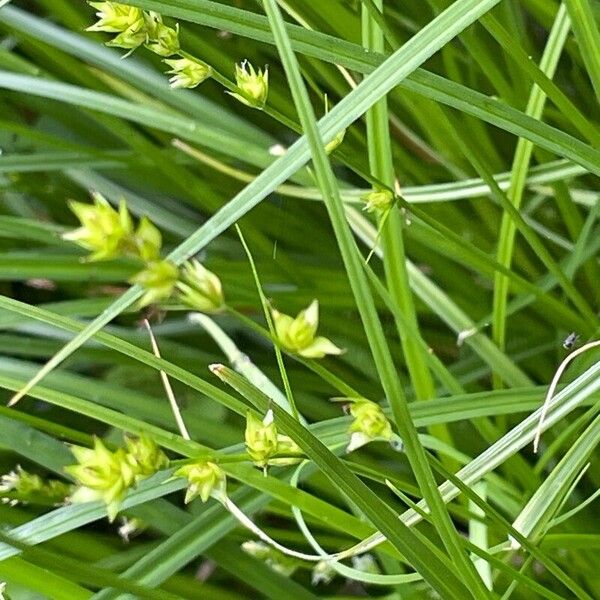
{"type": "Point", "coordinates": [415, 204]}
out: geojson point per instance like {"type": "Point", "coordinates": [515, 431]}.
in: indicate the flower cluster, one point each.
{"type": "Point", "coordinates": [108, 233]}
{"type": "Point", "coordinates": [104, 475]}
{"type": "Point", "coordinates": [199, 288]}
{"type": "Point", "coordinates": [369, 423]}
{"type": "Point", "coordinates": [158, 280]}
{"type": "Point", "coordinates": [21, 486]}
{"type": "Point", "coordinates": [161, 39]}
{"type": "Point", "coordinates": [187, 73]}
{"type": "Point", "coordinates": [135, 28]}
{"type": "Point", "coordinates": [253, 85]}
{"type": "Point", "coordinates": [378, 200]}
{"type": "Point", "coordinates": [205, 480]}
{"type": "Point", "coordinates": [264, 443]}
{"type": "Point", "coordinates": [298, 335]}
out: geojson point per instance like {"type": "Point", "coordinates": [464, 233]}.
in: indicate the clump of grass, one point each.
{"type": "Point", "coordinates": [176, 200]}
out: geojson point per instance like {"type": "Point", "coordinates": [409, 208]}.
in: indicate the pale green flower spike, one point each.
{"type": "Point", "coordinates": [158, 280]}
{"type": "Point", "coordinates": [299, 335]}
{"type": "Point", "coordinates": [161, 39]}
{"type": "Point", "coordinates": [110, 234]}
{"type": "Point", "coordinates": [253, 85]}
{"type": "Point", "coordinates": [378, 200]}
{"type": "Point", "coordinates": [101, 475]}
{"type": "Point", "coordinates": [148, 240]}
{"type": "Point", "coordinates": [132, 38]}
{"type": "Point", "coordinates": [261, 438]}
{"type": "Point", "coordinates": [187, 73]}
{"type": "Point", "coordinates": [107, 476]}
{"type": "Point", "coordinates": [200, 288]}
{"type": "Point", "coordinates": [369, 423]}
{"type": "Point", "coordinates": [22, 486]}
{"type": "Point", "coordinates": [127, 21]}
{"type": "Point", "coordinates": [114, 17]}
{"type": "Point", "coordinates": [145, 456]}
{"type": "Point", "coordinates": [104, 231]}
{"type": "Point", "coordinates": [205, 480]}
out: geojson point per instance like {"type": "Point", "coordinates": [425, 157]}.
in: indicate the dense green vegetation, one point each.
{"type": "Point", "coordinates": [285, 291]}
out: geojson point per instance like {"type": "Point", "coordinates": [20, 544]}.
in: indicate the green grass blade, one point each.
{"type": "Point", "coordinates": [506, 240]}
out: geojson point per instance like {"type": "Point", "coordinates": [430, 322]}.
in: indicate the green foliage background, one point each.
{"type": "Point", "coordinates": [486, 115]}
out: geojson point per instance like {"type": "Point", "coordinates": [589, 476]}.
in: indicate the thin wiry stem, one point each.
{"type": "Point", "coordinates": [168, 389]}
{"type": "Point", "coordinates": [552, 388]}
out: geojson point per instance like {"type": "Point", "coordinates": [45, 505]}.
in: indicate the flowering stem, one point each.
{"type": "Point", "coordinates": [230, 86]}
{"type": "Point", "coordinates": [258, 532]}
{"type": "Point", "coordinates": [359, 548]}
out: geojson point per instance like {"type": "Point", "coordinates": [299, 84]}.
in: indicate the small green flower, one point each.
{"type": "Point", "coordinates": [102, 475]}
{"type": "Point", "coordinates": [205, 479]}
{"type": "Point", "coordinates": [253, 85]}
{"type": "Point", "coordinates": [261, 438]}
{"type": "Point", "coordinates": [114, 17]}
{"type": "Point", "coordinates": [130, 39]}
{"type": "Point", "coordinates": [107, 476]}
{"type": "Point", "coordinates": [200, 288]}
{"type": "Point", "coordinates": [369, 423]}
{"type": "Point", "coordinates": [158, 280]}
{"type": "Point", "coordinates": [298, 334]}
{"type": "Point", "coordinates": [104, 231]}
{"type": "Point", "coordinates": [110, 234]}
{"type": "Point", "coordinates": [148, 240]}
{"type": "Point", "coordinates": [378, 200]}
{"type": "Point", "coordinates": [161, 39]}
{"type": "Point", "coordinates": [187, 73]}
{"type": "Point", "coordinates": [145, 456]}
